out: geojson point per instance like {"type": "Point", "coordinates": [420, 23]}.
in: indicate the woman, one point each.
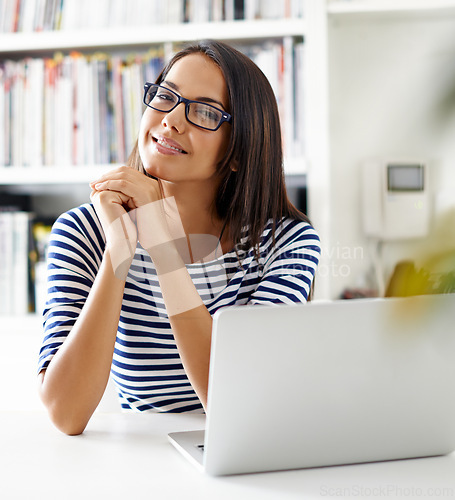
{"type": "Point", "coordinates": [198, 220]}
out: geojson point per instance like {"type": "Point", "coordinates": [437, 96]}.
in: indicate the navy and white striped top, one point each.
{"type": "Point", "coordinates": [146, 366]}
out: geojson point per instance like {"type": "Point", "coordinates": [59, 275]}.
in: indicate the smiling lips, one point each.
{"type": "Point", "coordinates": [167, 146]}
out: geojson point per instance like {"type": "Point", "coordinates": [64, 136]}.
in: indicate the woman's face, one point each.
{"type": "Point", "coordinates": [171, 148]}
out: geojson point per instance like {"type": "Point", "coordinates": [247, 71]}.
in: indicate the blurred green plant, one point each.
{"type": "Point", "coordinates": [408, 280]}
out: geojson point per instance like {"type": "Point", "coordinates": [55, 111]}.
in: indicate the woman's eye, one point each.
{"type": "Point", "coordinates": [207, 114]}
{"type": "Point", "coordinates": [165, 96]}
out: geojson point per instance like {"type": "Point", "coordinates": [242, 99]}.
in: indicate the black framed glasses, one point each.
{"type": "Point", "coordinates": [198, 113]}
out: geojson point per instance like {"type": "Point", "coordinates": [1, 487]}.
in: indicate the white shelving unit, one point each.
{"type": "Point", "coordinates": [40, 176]}
{"type": "Point", "coordinates": [125, 37]}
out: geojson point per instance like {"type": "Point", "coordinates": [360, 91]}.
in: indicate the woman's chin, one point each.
{"type": "Point", "coordinates": [150, 169]}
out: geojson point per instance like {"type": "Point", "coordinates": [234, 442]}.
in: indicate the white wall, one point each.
{"type": "Point", "coordinates": [392, 93]}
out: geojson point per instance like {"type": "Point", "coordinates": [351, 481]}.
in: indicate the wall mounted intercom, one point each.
{"type": "Point", "coordinates": [395, 199]}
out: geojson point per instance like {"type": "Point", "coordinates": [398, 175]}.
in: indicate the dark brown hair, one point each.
{"type": "Point", "coordinates": [252, 185]}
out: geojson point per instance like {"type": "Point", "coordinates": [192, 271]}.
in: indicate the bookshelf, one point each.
{"type": "Point", "coordinates": [42, 176]}
{"type": "Point", "coordinates": [128, 40]}
{"type": "Point", "coordinates": [109, 39]}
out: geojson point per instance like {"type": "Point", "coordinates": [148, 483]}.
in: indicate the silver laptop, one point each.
{"type": "Point", "coordinates": [328, 383]}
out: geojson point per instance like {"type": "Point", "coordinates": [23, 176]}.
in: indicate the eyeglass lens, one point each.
{"type": "Point", "coordinates": [198, 113]}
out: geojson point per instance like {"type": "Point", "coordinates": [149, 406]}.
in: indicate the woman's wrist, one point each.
{"type": "Point", "coordinates": [121, 245]}
{"type": "Point", "coordinates": [166, 257]}
{"type": "Point", "coordinates": [179, 293]}
{"type": "Point", "coordinates": [158, 223]}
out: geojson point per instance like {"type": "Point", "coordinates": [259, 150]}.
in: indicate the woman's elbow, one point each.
{"type": "Point", "coordinates": [67, 423]}
{"type": "Point", "coordinates": [63, 418]}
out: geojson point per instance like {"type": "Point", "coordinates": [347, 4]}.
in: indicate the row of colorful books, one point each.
{"type": "Point", "coordinates": [45, 15]}
{"type": "Point", "coordinates": [23, 245]}
{"type": "Point", "coordinates": [80, 109]}
{"type": "Point", "coordinates": [283, 63]}
{"type": "Point", "coordinates": [73, 109]}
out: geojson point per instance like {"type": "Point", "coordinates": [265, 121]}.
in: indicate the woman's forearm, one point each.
{"type": "Point", "coordinates": [190, 320]}
{"type": "Point", "coordinates": [74, 382]}
{"type": "Point", "coordinates": [193, 332]}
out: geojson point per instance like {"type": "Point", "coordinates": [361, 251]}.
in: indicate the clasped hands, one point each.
{"type": "Point", "coordinates": [131, 208]}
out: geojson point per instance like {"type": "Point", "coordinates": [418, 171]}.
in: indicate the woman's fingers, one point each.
{"type": "Point", "coordinates": [111, 174]}
{"type": "Point", "coordinates": [109, 205]}
{"type": "Point", "coordinates": [119, 185]}
{"type": "Point", "coordinates": [138, 188]}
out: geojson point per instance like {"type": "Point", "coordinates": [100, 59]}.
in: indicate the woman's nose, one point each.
{"type": "Point", "coordinates": [176, 118]}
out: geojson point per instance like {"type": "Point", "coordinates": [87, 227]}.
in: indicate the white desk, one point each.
{"type": "Point", "coordinates": [129, 456]}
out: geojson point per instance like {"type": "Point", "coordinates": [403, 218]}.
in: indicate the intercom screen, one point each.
{"type": "Point", "coordinates": [405, 178]}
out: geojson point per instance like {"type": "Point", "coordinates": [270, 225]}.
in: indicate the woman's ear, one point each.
{"type": "Point", "coordinates": [234, 165]}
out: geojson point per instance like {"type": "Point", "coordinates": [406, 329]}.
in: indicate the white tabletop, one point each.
{"type": "Point", "coordinates": [129, 456]}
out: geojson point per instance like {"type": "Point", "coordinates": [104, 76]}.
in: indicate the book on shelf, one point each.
{"type": "Point", "coordinates": [14, 262]}
{"type": "Point", "coordinates": [85, 109]}
{"type": "Point", "coordinates": [61, 110]}
{"type": "Point", "coordinates": [46, 15]}
{"type": "Point", "coordinates": [23, 270]}
{"type": "Point", "coordinates": [282, 62]}
{"type": "Point", "coordinates": [23, 247]}
{"type": "Point", "coordinates": [41, 231]}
